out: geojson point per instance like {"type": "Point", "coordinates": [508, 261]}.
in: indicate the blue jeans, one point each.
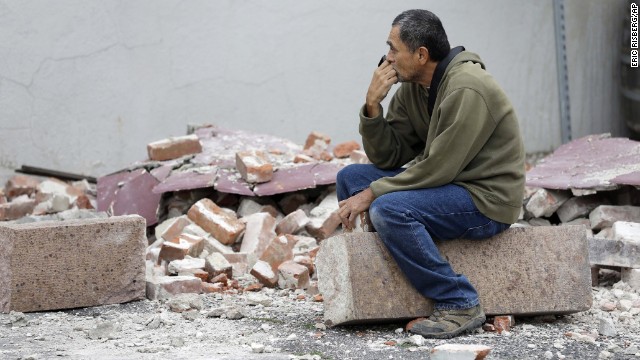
{"type": "Point", "coordinates": [408, 221]}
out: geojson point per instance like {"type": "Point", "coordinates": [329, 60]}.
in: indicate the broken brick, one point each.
{"type": "Point", "coordinates": [178, 248]}
{"type": "Point", "coordinates": [345, 149]}
{"type": "Point", "coordinates": [579, 206]}
{"type": "Point", "coordinates": [293, 276]}
{"type": "Point", "coordinates": [545, 202]}
{"type": "Point", "coordinates": [306, 262]}
{"type": "Point", "coordinates": [209, 288]}
{"type": "Point", "coordinates": [254, 166]}
{"type": "Point", "coordinates": [323, 228]}
{"type": "Point", "coordinates": [223, 226]}
{"type": "Point", "coordinates": [258, 234]}
{"type": "Point", "coordinates": [165, 287]}
{"type": "Point", "coordinates": [623, 230]}
{"type": "Point", "coordinates": [187, 265]}
{"type": "Point", "coordinates": [17, 208]}
{"type": "Point", "coordinates": [292, 223]}
{"type": "Point", "coordinates": [176, 228]}
{"type": "Point", "coordinates": [263, 271]}
{"type": "Point", "coordinates": [174, 147]}
{"type": "Point", "coordinates": [317, 139]}
{"type": "Point", "coordinates": [216, 264]}
{"type": "Point", "coordinates": [459, 351]}
{"type": "Point", "coordinates": [221, 278]}
{"type": "Point", "coordinates": [503, 323]}
{"type": "Point", "coordinates": [20, 185]}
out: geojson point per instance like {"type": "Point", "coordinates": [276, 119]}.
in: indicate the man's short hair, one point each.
{"type": "Point", "coordinates": [423, 28]}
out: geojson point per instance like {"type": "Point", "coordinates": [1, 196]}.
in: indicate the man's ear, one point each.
{"type": "Point", "coordinates": [423, 55]}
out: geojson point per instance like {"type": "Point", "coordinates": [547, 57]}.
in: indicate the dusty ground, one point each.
{"type": "Point", "coordinates": [275, 324]}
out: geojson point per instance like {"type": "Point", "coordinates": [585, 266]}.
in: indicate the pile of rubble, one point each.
{"type": "Point", "coordinates": [593, 182]}
{"type": "Point", "coordinates": [228, 203]}
{"type": "Point", "coordinates": [26, 198]}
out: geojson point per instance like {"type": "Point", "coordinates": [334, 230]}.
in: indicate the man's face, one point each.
{"type": "Point", "coordinates": [401, 58]}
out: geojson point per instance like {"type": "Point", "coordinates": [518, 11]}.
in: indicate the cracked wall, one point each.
{"type": "Point", "coordinates": [85, 85]}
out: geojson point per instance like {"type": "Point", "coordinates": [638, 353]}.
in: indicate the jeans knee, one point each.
{"type": "Point", "coordinates": [378, 213]}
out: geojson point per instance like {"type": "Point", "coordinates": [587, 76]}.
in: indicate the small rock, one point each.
{"type": "Point", "coordinates": [606, 327]}
{"type": "Point", "coordinates": [177, 341]}
{"type": "Point", "coordinates": [548, 355]}
{"type": "Point", "coordinates": [256, 298]}
{"type": "Point", "coordinates": [321, 326]}
{"type": "Point", "coordinates": [608, 306]}
{"type": "Point", "coordinates": [604, 354]}
{"type": "Point", "coordinates": [185, 302]}
{"type": "Point", "coordinates": [17, 319]}
{"type": "Point", "coordinates": [257, 348]}
{"type": "Point", "coordinates": [104, 330]}
{"type": "Point", "coordinates": [417, 340]}
{"type": "Point", "coordinates": [292, 337]}
{"type": "Point", "coordinates": [625, 305]}
{"type": "Point", "coordinates": [190, 315]}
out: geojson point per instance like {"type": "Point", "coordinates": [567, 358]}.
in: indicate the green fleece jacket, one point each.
{"type": "Point", "coordinates": [472, 139]}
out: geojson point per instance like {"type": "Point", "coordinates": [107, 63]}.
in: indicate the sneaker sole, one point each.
{"type": "Point", "coordinates": [471, 325]}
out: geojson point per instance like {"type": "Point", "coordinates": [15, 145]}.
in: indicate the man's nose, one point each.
{"type": "Point", "coordinates": [390, 57]}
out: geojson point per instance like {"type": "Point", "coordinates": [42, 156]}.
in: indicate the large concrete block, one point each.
{"type": "Point", "coordinates": [523, 271]}
{"type": "Point", "coordinates": [75, 263]}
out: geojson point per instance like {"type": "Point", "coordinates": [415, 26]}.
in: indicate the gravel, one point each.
{"type": "Point", "coordinates": [276, 324]}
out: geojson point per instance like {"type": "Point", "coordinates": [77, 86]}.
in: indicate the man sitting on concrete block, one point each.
{"type": "Point", "coordinates": [458, 135]}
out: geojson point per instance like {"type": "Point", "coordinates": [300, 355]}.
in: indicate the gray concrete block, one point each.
{"type": "Point", "coordinates": [523, 271]}
{"type": "Point", "coordinates": [619, 253]}
{"type": "Point", "coordinates": [76, 263]}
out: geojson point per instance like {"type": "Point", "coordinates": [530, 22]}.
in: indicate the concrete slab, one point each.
{"type": "Point", "coordinates": [75, 263]}
{"type": "Point", "coordinates": [596, 162]}
{"type": "Point", "coordinates": [523, 271]}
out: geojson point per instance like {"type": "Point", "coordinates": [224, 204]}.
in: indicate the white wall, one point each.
{"type": "Point", "coordinates": [85, 85]}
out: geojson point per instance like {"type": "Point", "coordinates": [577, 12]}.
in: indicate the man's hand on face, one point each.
{"type": "Point", "coordinates": [350, 208]}
{"type": "Point", "coordinates": [383, 78]}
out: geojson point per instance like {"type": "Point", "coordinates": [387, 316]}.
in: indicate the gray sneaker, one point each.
{"type": "Point", "coordinates": [445, 324]}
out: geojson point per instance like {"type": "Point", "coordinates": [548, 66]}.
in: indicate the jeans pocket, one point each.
{"type": "Point", "coordinates": [484, 231]}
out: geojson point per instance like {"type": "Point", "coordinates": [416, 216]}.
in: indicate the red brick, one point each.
{"type": "Point", "coordinates": [254, 166]}
{"type": "Point", "coordinates": [20, 185]}
{"type": "Point", "coordinates": [503, 323]}
{"type": "Point", "coordinates": [166, 286]}
{"type": "Point", "coordinates": [545, 202]}
{"type": "Point", "coordinates": [187, 266]}
{"type": "Point", "coordinates": [173, 148]}
{"type": "Point", "coordinates": [322, 229]}
{"type": "Point", "coordinates": [19, 207]}
{"type": "Point", "coordinates": [201, 274]}
{"type": "Point", "coordinates": [83, 202]}
{"type": "Point", "coordinates": [292, 275]}
{"type": "Point", "coordinates": [181, 246]}
{"type": "Point", "coordinates": [292, 223]}
{"type": "Point", "coordinates": [221, 278]}
{"type": "Point", "coordinates": [345, 149]}
{"type": "Point", "coordinates": [217, 264]}
{"type": "Point", "coordinates": [175, 229]}
{"type": "Point", "coordinates": [317, 139]}
{"type": "Point", "coordinates": [258, 234]}
{"type": "Point", "coordinates": [221, 225]}
{"type": "Point", "coordinates": [271, 210]}
{"type": "Point", "coordinates": [262, 271]}
{"type": "Point", "coordinates": [279, 250]}
{"type": "Point", "coordinates": [209, 288]}
{"type": "Point", "coordinates": [306, 262]}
